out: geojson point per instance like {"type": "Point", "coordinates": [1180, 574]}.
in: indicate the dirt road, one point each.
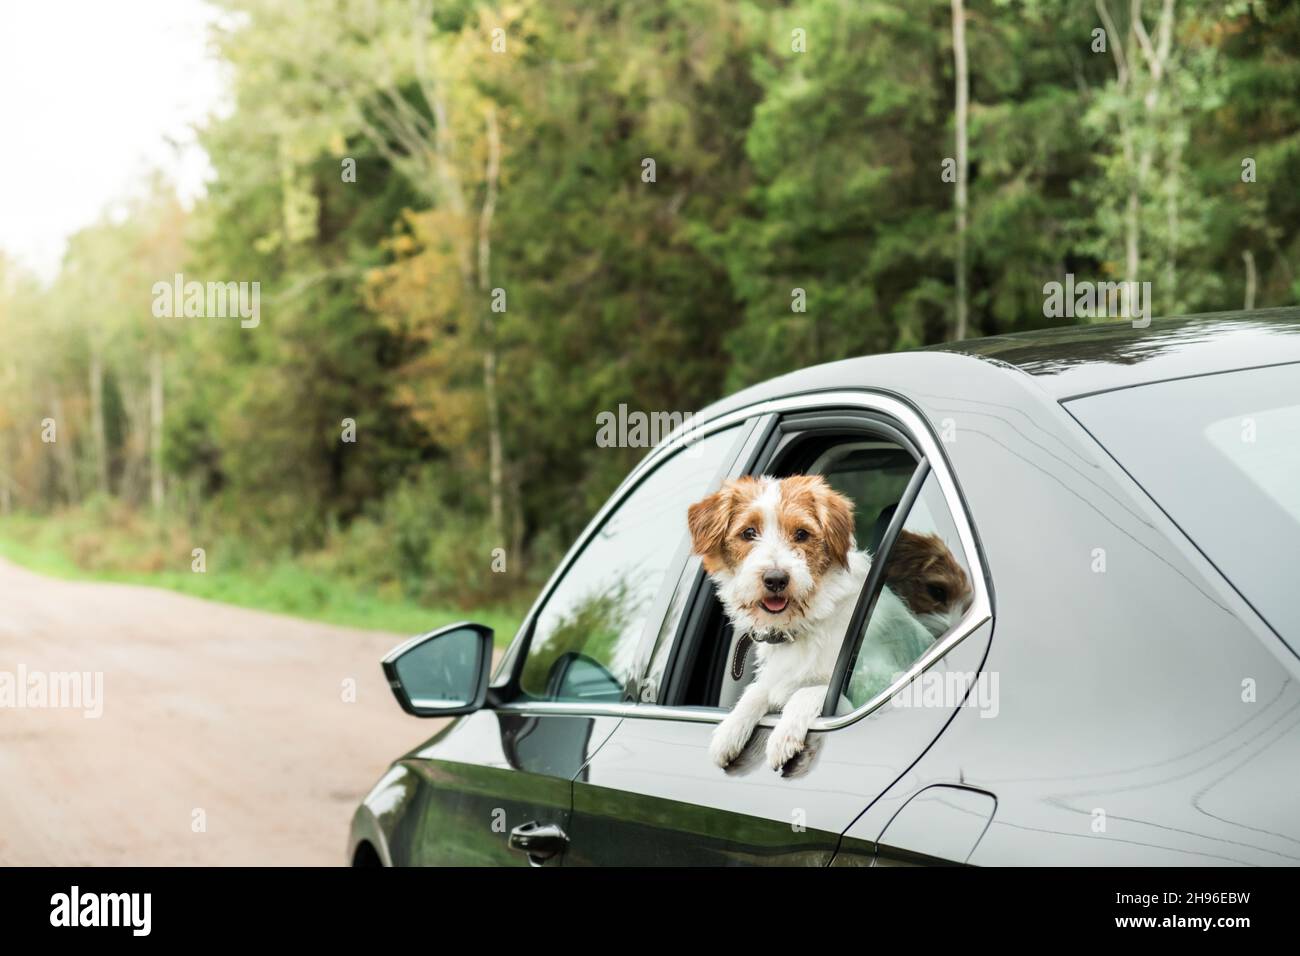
{"type": "Point", "coordinates": [225, 736]}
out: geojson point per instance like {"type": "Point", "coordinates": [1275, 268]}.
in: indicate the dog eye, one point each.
{"type": "Point", "coordinates": [801, 535]}
{"type": "Point", "coordinates": [938, 592]}
{"type": "Point", "coordinates": [749, 534]}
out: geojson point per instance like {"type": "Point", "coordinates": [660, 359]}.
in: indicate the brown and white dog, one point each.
{"type": "Point", "coordinates": [923, 572]}
{"type": "Point", "coordinates": [782, 556]}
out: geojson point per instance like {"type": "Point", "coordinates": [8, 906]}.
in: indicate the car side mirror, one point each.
{"type": "Point", "coordinates": [442, 673]}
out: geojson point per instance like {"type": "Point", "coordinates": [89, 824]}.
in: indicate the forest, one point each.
{"type": "Point", "coordinates": [473, 232]}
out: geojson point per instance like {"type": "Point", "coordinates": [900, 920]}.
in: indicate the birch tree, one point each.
{"type": "Point", "coordinates": [962, 99]}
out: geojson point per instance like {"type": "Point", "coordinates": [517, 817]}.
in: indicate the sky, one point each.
{"type": "Point", "coordinates": [93, 95]}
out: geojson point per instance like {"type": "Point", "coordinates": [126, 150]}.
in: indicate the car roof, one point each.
{"type": "Point", "coordinates": [1083, 359]}
{"type": "Point", "coordinates": [1066, 362]}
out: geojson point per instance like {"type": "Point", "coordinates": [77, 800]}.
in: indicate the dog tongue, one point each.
{"type": "Point", "coordinates": [775, 604]}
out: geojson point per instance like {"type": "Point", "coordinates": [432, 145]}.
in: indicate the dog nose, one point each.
{"type": "Point", "coordinates": [775, 580]}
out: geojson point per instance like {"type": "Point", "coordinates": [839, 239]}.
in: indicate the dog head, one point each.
{"type": "Point", "coordinates": [768, 544]}
{"type": "Point", "coordinates": [927, 578]}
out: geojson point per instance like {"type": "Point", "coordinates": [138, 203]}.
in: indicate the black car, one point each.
{"type": "Point", "coordinates": [1122, 689]}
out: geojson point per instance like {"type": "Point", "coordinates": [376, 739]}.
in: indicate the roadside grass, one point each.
{"type": "Point", "coordinates": [74, 546]}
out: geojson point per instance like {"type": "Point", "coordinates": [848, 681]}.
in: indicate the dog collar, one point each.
{"type": "Point", "coordinates": [771, 636]}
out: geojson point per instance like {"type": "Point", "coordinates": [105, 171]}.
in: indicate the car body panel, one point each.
{"type": "Point", "coordinates": [941, 823]}
{"type": "Point", "coordinates": [457, 797]}
{"type": "Point", "coordinates": [652, 796]}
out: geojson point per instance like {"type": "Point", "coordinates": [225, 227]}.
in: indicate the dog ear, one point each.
{"type": "Point", "coordinates": [708, 520]}
{"type": "Point", "coordinates": [837, 523]}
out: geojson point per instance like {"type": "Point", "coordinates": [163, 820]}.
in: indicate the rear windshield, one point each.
{"type": "Point", "coordinates": [1221, 455]}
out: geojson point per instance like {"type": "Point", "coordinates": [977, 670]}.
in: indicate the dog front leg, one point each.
{"type": "Point", "coordinates": [733, 733]}
{"type": "Point", "coordinates": [787, 738]}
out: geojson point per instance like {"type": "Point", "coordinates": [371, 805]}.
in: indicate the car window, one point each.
{"type": "Point", "coordinates": [585, 640]}
{"type": "Point", "coordinates": [716, 663]}
{"type": "Point", "coordinates": [926, 590]}
{"type": "Point", "coordinates": [1220, 454]}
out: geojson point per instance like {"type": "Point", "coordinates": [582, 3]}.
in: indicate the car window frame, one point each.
{"type": "Point", "coordinates": [904, 416]}
{"type": "Point", "coordinates": [504, 684]}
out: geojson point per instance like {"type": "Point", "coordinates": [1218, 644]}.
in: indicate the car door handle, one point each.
{"type": "Point", "coordinates": [540, 841]}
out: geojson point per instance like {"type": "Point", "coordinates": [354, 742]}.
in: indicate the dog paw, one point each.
{"type": "Point", "coordinates": [726, 744]}
{"type": "Point", "coordinates": [782, 747]}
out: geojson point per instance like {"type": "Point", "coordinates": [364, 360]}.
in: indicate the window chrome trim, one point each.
{"type": "Point", "coordinates": [979, 612]}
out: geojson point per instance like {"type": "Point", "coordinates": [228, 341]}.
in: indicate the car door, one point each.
{"type": "Point", "coordinates": [496, 786]}
{"type": "Point", "coordinates": [650, 794]}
